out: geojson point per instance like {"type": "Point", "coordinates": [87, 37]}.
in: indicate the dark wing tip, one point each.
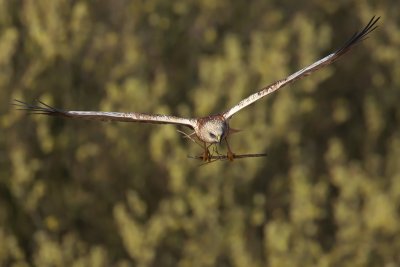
{"type": "Point", "coordinates": [359, 36]}
{"type": "Point", "coordinates": [40, 108]}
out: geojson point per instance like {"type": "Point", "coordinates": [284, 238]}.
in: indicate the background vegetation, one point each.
{"type": "Point", "coordinates": [77, 193]}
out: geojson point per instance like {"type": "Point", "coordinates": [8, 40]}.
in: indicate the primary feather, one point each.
{"type": "Point", "coordinates": [45, 109]}
{"type": "Point", "coordinates": [354, 40]}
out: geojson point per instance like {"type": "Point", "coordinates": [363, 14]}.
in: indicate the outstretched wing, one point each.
{"type": "Point", "coordinates": [354, 40]}
{"type": "Point", "coordinates": [45, 109]}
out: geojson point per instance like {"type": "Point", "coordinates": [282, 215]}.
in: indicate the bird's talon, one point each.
{"type": "Point", "coordinates": [206, 156]}
{"type": "Point", "coordinates": [230, 156]}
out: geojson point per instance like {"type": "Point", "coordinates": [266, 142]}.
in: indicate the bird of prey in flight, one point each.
{"type": "Point", "coordinates": [210, 129]}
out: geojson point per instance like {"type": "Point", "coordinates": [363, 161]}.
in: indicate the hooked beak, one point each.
{"type": "Point", "coordinates": [219, 139]}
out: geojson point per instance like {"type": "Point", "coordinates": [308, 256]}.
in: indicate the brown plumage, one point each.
{"type": "Point", "coordinates": [211, 129]}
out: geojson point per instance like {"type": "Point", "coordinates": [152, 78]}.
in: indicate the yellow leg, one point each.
{"type": "Point", "coordinates": [230, 155]}
{"type": "Point", "coordinates": [206, 153]}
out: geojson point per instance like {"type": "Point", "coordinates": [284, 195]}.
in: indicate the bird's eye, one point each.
{"type": "Point", "coordinates": [212, 135]}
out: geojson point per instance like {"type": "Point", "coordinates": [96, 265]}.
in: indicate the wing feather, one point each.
{"type": "Point", "coordinates": [45, 109]}
{"type": "Point", "coordinates": [354, 40]}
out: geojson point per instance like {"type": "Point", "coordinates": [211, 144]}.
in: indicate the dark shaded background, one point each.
{"type": "Point", "coordinates": [78, 193]}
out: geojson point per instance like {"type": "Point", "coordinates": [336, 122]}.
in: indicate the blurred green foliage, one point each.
{"type": "Point", "coordinates": [77, 193]}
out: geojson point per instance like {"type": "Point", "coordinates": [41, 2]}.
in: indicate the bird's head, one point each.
{"type": "Point", "coordinates": [214, 131]}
